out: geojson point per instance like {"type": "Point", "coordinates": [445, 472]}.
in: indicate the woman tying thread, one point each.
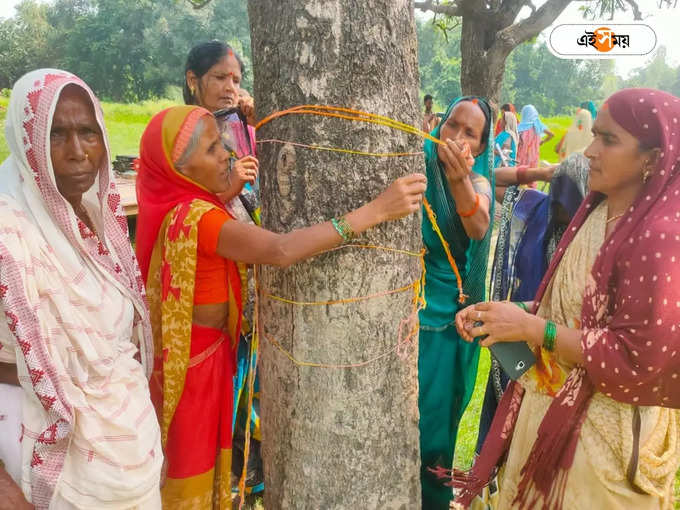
{"type": "Point", "coordinates": [189, 249]}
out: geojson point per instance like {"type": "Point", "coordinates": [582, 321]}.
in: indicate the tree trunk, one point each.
{"type": "Point", "coordinates": [482, 65]}
{"type": "Point", "coordinates": [337, 438]}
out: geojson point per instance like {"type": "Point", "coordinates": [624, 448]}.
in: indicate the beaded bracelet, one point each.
{"type": "Point", "coordinates": [343, 228]}
{"type": "Point", "coordinates": [549, 336]}
{"type": "Point", "coordinates": [467, 214]}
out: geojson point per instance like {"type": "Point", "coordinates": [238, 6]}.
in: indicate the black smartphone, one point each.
{"type": "Point", "coordinates": [515, 358]}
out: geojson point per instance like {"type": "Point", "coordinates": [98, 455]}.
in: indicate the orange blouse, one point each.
{"type": "Point", "coordinates": [211, 269]}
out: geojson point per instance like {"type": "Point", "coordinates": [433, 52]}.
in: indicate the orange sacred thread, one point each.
{"type": "Point", "coordinates": [358, 115]}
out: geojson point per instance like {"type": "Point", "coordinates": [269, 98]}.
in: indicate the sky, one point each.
{"type": "Point", "coordinates": [663, 21]}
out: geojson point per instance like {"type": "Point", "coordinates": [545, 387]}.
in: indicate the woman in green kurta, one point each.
{"type": "Point", "coordinates": [459, 189]}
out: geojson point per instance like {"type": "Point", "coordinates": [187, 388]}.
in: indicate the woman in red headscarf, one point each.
{"type": "Point", "coordinates": [189, 247]}
{"type": "Point", "coordinates": [595, 422]}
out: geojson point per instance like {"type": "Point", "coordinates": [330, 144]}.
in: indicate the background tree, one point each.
{"type": "Point", "coordinates": [127, 51]}
{"type": "Point", "coordinates": [657, 74]}
{"type": "Point", "coordinates": [491, 30]}
{"type": "Point", "coordinates": [531, 79]}
{"type": "Point", "coordinates": [24, 41]}
{"type": "Point", "coordinates": [337, 438]}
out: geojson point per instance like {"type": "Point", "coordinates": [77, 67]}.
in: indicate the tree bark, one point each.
{"type": "Point", "coordinates": [482, 65]}
{"type": "Point", "coordinates": [337, 438]}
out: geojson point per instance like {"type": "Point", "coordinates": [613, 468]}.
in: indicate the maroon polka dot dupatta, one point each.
{"type": "Point", "coordinates": [630, 315]}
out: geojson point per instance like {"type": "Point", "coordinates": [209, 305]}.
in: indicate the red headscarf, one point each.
{"type": "Point", "coordinates": [160, 187]}
{"type": "Point", "coordinates": [631, 307]}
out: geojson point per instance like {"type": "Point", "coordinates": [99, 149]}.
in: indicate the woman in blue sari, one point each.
{"type": "Point", "coordinates": [459, 188]}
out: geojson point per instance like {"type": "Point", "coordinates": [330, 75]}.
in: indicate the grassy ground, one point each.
{"type": "Point", "coordinates": [125, 124]}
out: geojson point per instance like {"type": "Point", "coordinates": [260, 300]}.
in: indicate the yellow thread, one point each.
{"type": "Point", "coordinates": [345, 151]}
{"type": "Point", "coordinates": [342, 300]}
{"type": "Point", "coordinates": [349, 114]}
{"type": "Point", "coordinates": [418, 303]}
{"type": "Point", "coordinates": [358, 115]}
{"type": "Point", "coordinates": [433, 220]}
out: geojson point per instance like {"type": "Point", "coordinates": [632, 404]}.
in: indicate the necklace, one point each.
{"type": "Point", "coordinates": [613, 218]}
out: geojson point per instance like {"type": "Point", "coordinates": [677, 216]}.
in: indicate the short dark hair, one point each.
{"type": "Point", "coordinates": [507, 107]}
{"type": "Point", "coordinates": [427, 97]}
{"type": "Point", "coordinates": [201, 58]}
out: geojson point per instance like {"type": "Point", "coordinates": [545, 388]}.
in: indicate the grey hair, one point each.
{"type": "Point", "coordinates": [193, 143]}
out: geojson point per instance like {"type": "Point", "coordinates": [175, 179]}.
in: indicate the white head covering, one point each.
{"type": "Point", "coordinates": [579, 134]}
{"type": "Point", "coordinates": [511, 126]}
{"type": "Point", "coordinates": [44, 249]}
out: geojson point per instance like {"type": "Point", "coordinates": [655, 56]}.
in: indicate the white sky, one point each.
{"type": "Point", "coordinates": [663, 21]}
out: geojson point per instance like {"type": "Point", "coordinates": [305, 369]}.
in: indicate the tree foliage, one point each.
{"type": "Point", "coordinates": [534, 75]}
{"type": "Point", "coordinates": [127, 51]}
{"type": "Point", "coordinates": [492, 29]}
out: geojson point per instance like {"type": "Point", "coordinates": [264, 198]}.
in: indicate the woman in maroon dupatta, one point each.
{"type": "Point", "coordinates": [594, 424]}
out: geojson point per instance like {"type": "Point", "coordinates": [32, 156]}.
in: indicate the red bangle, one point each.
{"type": "Point", "coordinates": [467, 214]}
{"type": "Point", "coordinates": [522, 174]}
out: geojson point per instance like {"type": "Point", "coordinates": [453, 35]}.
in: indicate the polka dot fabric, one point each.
{"type": "Point", "coordinates": [631, 308]}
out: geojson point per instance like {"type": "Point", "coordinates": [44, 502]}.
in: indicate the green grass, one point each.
{"type": "Point", "coordinates": [125, 124]}
{"type": "Point", "coordinates": [4, 150]}
{"type": "Point", "coordinates": [559, 126]}
{"type": "Point", "coordinates": [469, 424]}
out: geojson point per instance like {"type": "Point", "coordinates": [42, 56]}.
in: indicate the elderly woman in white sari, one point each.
{"type": "Point", "coordinates": [75, 331]}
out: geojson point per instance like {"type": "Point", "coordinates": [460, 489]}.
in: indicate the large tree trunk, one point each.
{"type": "Point", "coordinates": [482, 64]}
{"type": "Point", "coordinates": [337, 438]}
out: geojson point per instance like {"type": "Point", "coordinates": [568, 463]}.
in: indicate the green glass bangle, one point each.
{"type": "Point", "coordinates": [343, 228]}
{"type": "Point", "coordinates": [522, 305]}
{"type": "Point", "coordinates": [549, 336]}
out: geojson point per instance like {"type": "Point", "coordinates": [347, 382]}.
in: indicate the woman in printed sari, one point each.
{"type": "Point", "coordinates": [578, 136]}
{"type": "Point", "coordinates": [531, 131]}
{"type": "Point", "coordinates": [213, 74]}
{"type": "Point", "coordinates": [189, 247]}
{"type": "Point", "coordinates": [595, 422]}
{"type": "Point", "coordinates": [75, 324]}
{"type": "Point", "coordinates": [460, 183]}
{"type": "Point", "coordinates": [506, 141]}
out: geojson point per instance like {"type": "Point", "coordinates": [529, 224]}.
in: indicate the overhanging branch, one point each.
{"type": "Point", "coordinates": [524, 30]}
{"type": "Point", "coordinates": [637, 14]}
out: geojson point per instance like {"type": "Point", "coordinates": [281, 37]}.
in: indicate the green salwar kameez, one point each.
{"type": "Point", "coordinates": [447, 365]}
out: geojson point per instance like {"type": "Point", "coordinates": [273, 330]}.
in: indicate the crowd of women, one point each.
{"type": "Point", "coordinates": [121, 370]}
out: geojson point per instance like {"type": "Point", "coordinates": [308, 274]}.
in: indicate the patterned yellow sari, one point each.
{"type": "Point", "coordinates": [192, 382]}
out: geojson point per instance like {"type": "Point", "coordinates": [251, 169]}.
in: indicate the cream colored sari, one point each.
{"type": "Point", "coordinates": [598, 477]}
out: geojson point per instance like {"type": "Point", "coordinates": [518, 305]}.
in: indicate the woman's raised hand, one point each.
{"type": "Point", "coordinates": [245, 170]}
{"type": "Point", "coordinates": [246, 104]}
{"type": "Point", "coordinates": [457, 159]}
{"type": "Point", "coordinates": [401, 198]}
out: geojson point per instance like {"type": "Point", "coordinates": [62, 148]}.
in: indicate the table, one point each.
{"type": "Point", "coordinates": [128, 195]}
